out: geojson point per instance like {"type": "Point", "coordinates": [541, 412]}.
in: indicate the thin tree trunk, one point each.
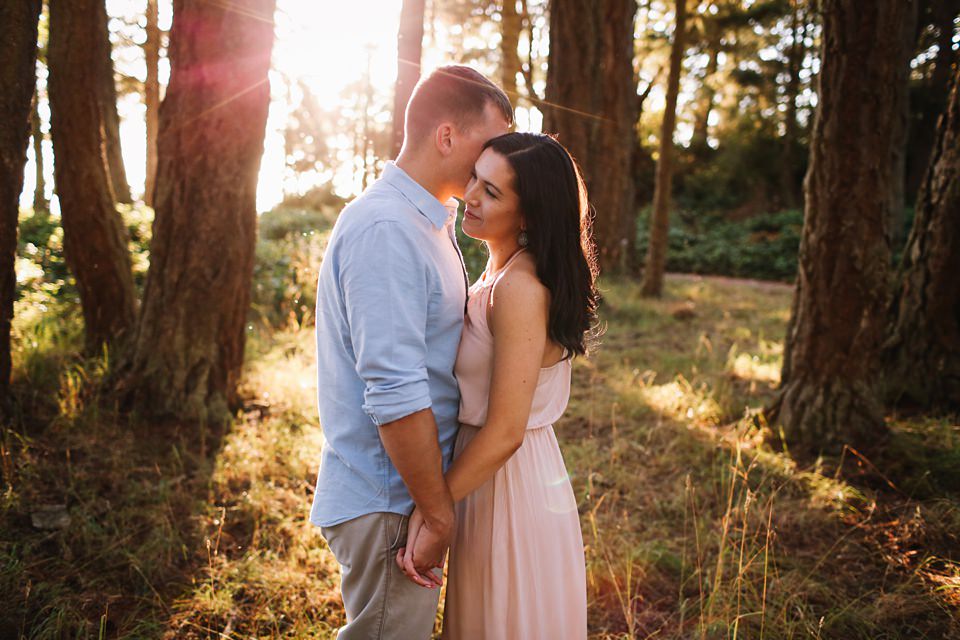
{"type": "Point", "coordinates": [409, 50]}
{"type": "Point", "coordinates": [367, 145]}
{"type": "Point", "coordinates": [923, 355]}
{"type": "Point", "coordinates": [151, 97]}
{"type": "Point", "coordinates": [924, 131]}
{"type": "Point", "coordinates": [901, 129]}
{"type": "Point", "coordinates": [594, 114]}
{"type": "Point", "coordinates": [652, 284]}
{"type": "Point", "coordinates": [40, 203]}
{"type": "Point", "coordinates": [527, 68]}
{"type": "Point", "coordinates": [188, 351]}
{"type": "Point", "coordinates": [795, 57]}
{"type": "Point", "coordinates": [511, 24]}
{"type": "Point", "coordinates": [830, 389]}
{"type": "Point", "coordinates": [18, 56]}
{"type": "Point", "coordinates": [94, 238]}
{"type": "Point", "coordinates": [111, 118]}
{"type": "Point", "coordinates": [705, 97]}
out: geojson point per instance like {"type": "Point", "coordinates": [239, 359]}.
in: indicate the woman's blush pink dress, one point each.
{"type": "Point", "coordinates": [517, 567]}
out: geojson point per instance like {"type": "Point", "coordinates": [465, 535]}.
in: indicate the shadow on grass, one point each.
{"type": "Point", "coordinates": [693, 527]}
{"type": "Point", "coordinates": [176, 531]}
{"type": "Point", "coordinates": [131, 493]}
{"type": "Point", "coordinates": [696, 529]}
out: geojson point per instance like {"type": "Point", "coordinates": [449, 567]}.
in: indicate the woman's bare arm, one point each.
{"type": "Point", "coordinates": [519, 326]}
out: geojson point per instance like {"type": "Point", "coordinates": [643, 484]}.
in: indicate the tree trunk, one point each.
{"type": "Point", "coordinates": [409, 49]}
{"type": "Point", "coordinates": [188, 351]}
{"type": "Point", "coordinates": [511, 24]}
{"type": "Point", "coordinates": [830, 388]}
{"type": "Point", "coordinates": [656, 262]}
{"type": "Point", "coordinates": [528, 66]}
{"type": "Point", "coordinates": [899, 133]}
{"type": "Point", "coordinates": [923, 355]}
{"type": "Point", "coordinates": [40, 203]}
{"type": "Point", "coordinates": [151, 97]}
{"type": "Point", "coordinates": [923, 133]}
{"type": "Point", "coordinates": [94, 238]}
{"type": "Point", "coordinates": [798, 51]}
{"type": "Point", "coordinates": [705, 97]}
{"type": "Point", "coordinates": [18, 56]}
{"type": "Point", "coordinates": [576, 96]}
{"type": "Point", "coordinates": [111, 119]}
{"type": "Point", "coordinates": [594, 114]}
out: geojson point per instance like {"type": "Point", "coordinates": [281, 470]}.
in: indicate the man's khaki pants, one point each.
{"type": "Point", "coordinates": [380, 601]}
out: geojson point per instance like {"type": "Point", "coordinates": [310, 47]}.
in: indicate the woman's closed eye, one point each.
{"type": "Point", "coordinates": [486, 186]}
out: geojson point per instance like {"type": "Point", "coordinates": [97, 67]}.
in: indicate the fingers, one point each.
{"type": "Point", "coordinates": [435, 575]}
{"type": "Point", "coordinates": [416, 558]}
{"type": "Point", "coordinates": [413, 574]}
{"type": "Point", "coordinates": [421, 560]}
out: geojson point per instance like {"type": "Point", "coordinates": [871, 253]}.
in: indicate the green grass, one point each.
{"type": "Point", "coordinates": [694, 527]}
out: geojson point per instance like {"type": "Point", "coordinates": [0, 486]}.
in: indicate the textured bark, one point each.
{"type": "Point", "coordinates": [40, 203]}
{"type": "Point", "coordinates": [922, 360]}
{"type": "Point", "coordinates": [511, 24]}
{"type": "Point", "coordinates": [151, 97]}
{"type": "Point", "coordinates": [830, 389]}
{"type": "Point", "coordinates": [656, 260]}
{"type": "Point", "coordinates": [594, 113]}
{"type": "Point", "coordinates": [111, 118]}
{"type": "Point", "coordinates": [18, 32]}
{"type": "Point", "coordinates": [94, 238]}
{"type": "Point", "coordinates": [188, 352]}
{"type": "Point", "coordinates": [409, 49]}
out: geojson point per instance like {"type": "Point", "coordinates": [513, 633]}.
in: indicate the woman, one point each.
{"type": "Point", "coordinates": [517, 563]}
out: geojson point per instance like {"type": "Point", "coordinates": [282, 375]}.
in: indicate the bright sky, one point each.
{"type": "Point", "coordinates": [323, 42]}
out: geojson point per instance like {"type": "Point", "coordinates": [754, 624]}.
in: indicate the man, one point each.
{"type": "Point", "coordinates": [390, 305]}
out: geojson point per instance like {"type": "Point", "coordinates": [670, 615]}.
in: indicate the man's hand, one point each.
{"type": "Point", "coordinates": [411, 442]}
{"type": "Point", "coordinates": [425, 550]}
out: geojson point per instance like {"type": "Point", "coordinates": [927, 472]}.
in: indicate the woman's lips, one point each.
{"type": "Point", "coordinates": [468, 214]}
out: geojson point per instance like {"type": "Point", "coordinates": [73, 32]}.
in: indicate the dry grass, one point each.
{"type": "Point", "coordinates": [694, 528]}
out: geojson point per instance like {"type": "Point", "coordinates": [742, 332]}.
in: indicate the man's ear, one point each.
{"type": "Point", "coordinates": [444, 138]}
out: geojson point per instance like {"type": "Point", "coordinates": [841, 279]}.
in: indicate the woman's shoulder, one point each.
{"type": "Point", "coordinates": [519, 285]}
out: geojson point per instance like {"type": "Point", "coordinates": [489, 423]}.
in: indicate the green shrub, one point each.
{"type": "Point", "coordinates": [763, 247]}
{"type": "Point", "coordinates": [288, 255]}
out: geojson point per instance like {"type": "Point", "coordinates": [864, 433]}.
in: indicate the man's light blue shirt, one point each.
{"type": "Point", "coordinates": [390, 303]}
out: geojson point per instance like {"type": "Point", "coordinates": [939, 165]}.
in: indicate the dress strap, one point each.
{"type": "Point", "coordinates": [489, 280]}
{"type": "Point", "coordinates": [502, 270]}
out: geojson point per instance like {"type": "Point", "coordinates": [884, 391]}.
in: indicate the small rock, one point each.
{"type": "Point", "coordinates": [50, 516]}
{"type": "Point", "coordinates": [685, 311]}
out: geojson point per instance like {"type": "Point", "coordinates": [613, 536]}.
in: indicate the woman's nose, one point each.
{"type": "Point", "coordinates": [471, 195]}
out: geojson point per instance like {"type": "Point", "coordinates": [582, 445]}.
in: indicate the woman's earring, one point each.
{"type": "Point", "coordinates": [522, 238]}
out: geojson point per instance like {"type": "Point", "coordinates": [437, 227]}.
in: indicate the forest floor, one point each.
{"type": "Point", "coordinates": [695, 526]}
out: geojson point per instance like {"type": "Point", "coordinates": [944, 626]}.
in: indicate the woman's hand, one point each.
{"type": "Point", "coordinates": [423, 553]}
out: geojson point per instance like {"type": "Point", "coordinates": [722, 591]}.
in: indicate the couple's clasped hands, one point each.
{"type": "Point", "coordinates": [421, 559]}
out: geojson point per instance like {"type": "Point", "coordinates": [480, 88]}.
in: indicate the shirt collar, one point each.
{"type": "Point", "coordinates": [425, 202]}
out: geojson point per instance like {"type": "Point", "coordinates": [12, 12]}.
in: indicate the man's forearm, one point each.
{"type": "Point", "coordinates": [411, 442]}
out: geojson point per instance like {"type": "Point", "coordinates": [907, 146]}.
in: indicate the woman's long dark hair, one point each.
{"type": "Point", "coordinates": [553, 203]}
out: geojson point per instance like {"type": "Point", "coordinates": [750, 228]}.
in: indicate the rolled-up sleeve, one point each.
{"type": "Point", "coordinates": [386, 292]}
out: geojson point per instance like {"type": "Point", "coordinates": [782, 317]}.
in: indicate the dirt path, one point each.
{"type": "Point", "coordinates": [762, 285]}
